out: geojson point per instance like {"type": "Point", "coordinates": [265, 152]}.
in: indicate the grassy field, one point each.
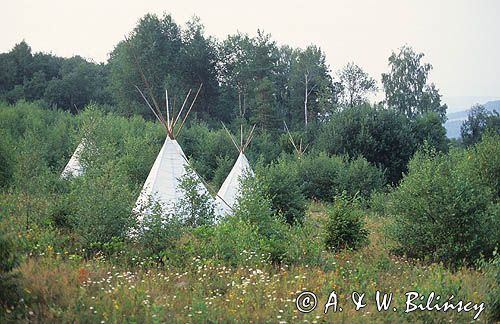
{"type": "Point", "coordinates": [64, 287]}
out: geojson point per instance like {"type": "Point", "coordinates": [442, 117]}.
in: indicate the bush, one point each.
{"type": "Point", "coordinates": [157, 233]}
{"type": "Point", "coordinates": [384, 137]}
{"type": "Point", "coordinates": [360, 178]}
{"type": "Point", "coordinates": [345, 225]}
{"type": "Point", "coordinates": [101, 204]}
{"type": "Point", "coordinates": [233, 241]}
{"type": "Point", "coordinates": [254, 206]}
{"type": "Point", "coordinates": [195, 207]}
{"type": "Point", "coordinates": [284, 188]}
{"type": "Point", "coordinates": [320, 175]}
{"type": "Point", "coordinates": [492, 269]}
{"type": "Point", "coordinates": [9, 279]}
{"type": "Point", "coordinates": [443, 211]}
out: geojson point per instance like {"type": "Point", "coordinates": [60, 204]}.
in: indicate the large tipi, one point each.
{"type": "Point", "coordinates": [74, 168]}
{"type": "Point", "coordinates": [231, 188]}
{"type": "Point", "coordinates": [171, 165]}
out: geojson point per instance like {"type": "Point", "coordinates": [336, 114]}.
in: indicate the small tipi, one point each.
{"type": "Point", "coordinates": [299, 149]}
{"type": "Point", "coordinates": [74, 167]}
{"type": "Point", "coordinates": [231, 188]}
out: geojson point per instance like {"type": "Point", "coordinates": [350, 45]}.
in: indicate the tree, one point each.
{"type": "Point", "coordinates": [406, 88]}
{"type": "Point", "coordinates": [199, 58]}
{"type": "Point", "coordinates": [479, 120]}
{"type": "Point", "coordinates": [80, 83]}
{"type": "Point", "coordinates": [309, 77]}
{"type": "Point", "coordinates": [427, 128]}
{"type": "Point", "coordinates": [355, 84]}
{"type": "Point", "coordinates": [384, 137]}
{"type": "Point", "coordinates": [152, 52]}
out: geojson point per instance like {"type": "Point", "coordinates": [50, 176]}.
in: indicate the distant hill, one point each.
{"type": "Point", "coordinates": [456, 119]}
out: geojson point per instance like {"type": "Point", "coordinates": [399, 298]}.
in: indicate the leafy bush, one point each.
{"type": "Point", "coordinates": [157, 232]}
{"type": "Point", "coordinates": [195, 207]}
{"type": "Point", "coordinates": [383, 137]}
{"type": "Point", "coordinates": [492, 268]}
{"type": "Point", "coordinates": [233, 241]}
{"type": "Point", "coordinates": [345, 225]}
{"type": "Point", "coordinates": [101, 204]}
{"type": "Point", "coordinates": [9, 259]}
{"type": "Point", "coordinates": [320, 175]}
{"type": "Point", "coordinates": [254, 206]}
{"type": "Point", "coordinates": [443, 210]}
{"type": "Point", "coordinates": [284, 188]}
{"type": "Point", "coordinates": [361, 178]}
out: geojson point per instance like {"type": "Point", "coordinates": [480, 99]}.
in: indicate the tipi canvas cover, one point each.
{"type": "Point", "coordinates": [231, 188]}
{"type": "Point", "coordinates": [162, 183]}
{"type": "Point", "coordinates": [74, 168]}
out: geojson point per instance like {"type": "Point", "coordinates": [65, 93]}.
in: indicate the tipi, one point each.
{"type": "Point", "coordinates": [162, 183]}
{"type": "Point", "coordinates": [299, 150]}
{"type": "Point", "coordinates": [230, 189]}
{"type": "Point", "coordinates": [74, 167]}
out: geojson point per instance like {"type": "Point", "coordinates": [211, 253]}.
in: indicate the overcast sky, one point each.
{"type": "Point", "coordinates": [461, 39]}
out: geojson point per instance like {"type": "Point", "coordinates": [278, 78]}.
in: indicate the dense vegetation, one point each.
{"type": "Point", "coordinates": [379, 199]}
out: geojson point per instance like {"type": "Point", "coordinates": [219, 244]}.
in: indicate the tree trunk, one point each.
{"type": "Point", "coordinates": [305, 98]}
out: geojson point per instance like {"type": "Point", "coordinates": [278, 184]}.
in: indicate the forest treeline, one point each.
{"type": "Point", "coordinates": [243, 76]}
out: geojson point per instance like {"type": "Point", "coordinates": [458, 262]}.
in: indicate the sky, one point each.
{"type": "Point", "coordinates": [461, 39]}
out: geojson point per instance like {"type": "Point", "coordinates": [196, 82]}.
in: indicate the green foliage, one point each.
{"type": "Point", "coordinates": [443, 211]}
{"type": "Point", "coordinates": [345, 226]}
{"type": "Point", "coordinates": [492, 269]}
{"type": "Point", "coordinates": [254, 205]}
{"type": "Point", "coordinates": [360, 178]}
{"type": "Point", "coordinates": [383, 137]}
{"type": "Point", "coordinates": [101, 204]}
{"type": "Point", "coordinates": [196, 207]}
{"type": "Point", "coordinates": [233, 240]}
{"type": "Point", "coordinates": [157, 233]}
{"type": "Point", "coordinates": [9, 259]}
{"type": "Point", "coordinates": [5, 163]}
{"type": "Point", "coordinates": [406, 87]}
{"type": "Point", "coordinates": [355, 85]}
{"type": "Point", "coordinates": [59, 82]}
{"type": "Point", "coordinates": [479, 121]}
{"type": "Point", "coordinates": [320, 175]}
{"type": "Point", "coordinates": [486, 162]}
{"type": "Point", "coordinates": [427, 128]}
{"type": "Point", "coordinates": [284, 188]}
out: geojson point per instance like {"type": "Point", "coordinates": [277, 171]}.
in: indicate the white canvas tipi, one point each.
{"type": "Point", "coordinates": [231, 188]}
{"type": "Point", "coordinates": [74, 167]}
{"type": "Point", "coordinates": [170, 166]}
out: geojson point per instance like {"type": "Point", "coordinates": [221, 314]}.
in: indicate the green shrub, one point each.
{"type": "Point", "coordinates": [5, 162]}
{"type": "Point", "coordinates": [195, 207]}
{"type": "Point", "coordinates": [9, 279]}
{"type": "Point", "coordinates": [320, 175]}
{"type": "Point", "coordinates": [284, 188]}
{"type": "Point", "coordinates": [157, 233]}
{"type": "Point", "coordinates": [443, 211]}
{"type": "Point", "coordinates": [360, 178]}
{"type": "Point", "coordinates": [492, 268]}
{"type": "Point", "coordinates": [486, 161]}
{"type": "Point", "coordinates": [101, 204]}
{"type": "Point", "coordinates": [306, 244]}
{"type": "Point", "coordinates": [254, 205]}
{"type": "Point", "coordinates": [233, 241]}
{"type": "Point", "coordinates": [383, 136]}
{"type": "Point", "coordinates": [345, 226]}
